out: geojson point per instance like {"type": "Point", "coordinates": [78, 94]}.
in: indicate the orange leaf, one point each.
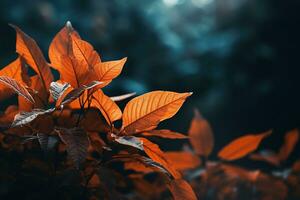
{"type": "Point", "coordinates": [165, 134]}
{"type": "Point", "coordinates": [109, 109]}
{"type": "Point", "coordinates": [15, 70]}
{"type": "Point", "coordinates": [61, 45]}
{"type": "Point", "coordinates": [267, 156]}
{"type": "Point", "coordinates": [27, 48]}
{"type": "Point", "coordinates": [84, 52]}
{"type": "Point", "coordinates": [157, 155]}
{"type": "Point", "coordinates": [146, 111]}
{"type": "Point", "coordinates": [181, 190]}
{"type": "Point", "coordinates": [71, 70]}
{"type": "Point", "coordinates": [106, 71]}
{"type": "Point", "coordinates": [201, 135]}
{"type": "Point", "coordinates": [242, 146]}
{"type": "Point", "coordinates": [290, 140]}
{"type": "Point", "coordinates": [182, 160]}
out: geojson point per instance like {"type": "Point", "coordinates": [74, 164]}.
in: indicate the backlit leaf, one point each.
{"type": "Point", "coordinates": [146, 111]}
{"type": "Point", "coordinates": [242, 146]}
{"type": "Point", "coordinates": [122, 97]}
{"type": "Point", "coordinates": [27, 48]}
{"type": "Point", "coordinates": [109, 109]}
{"type": "Point", "coordinates": [201, 135]}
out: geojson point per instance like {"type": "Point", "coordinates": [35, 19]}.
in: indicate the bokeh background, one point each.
{"type": "Point", "coordinates": [239, 57]}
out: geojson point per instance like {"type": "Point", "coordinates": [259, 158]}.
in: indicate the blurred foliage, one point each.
{"type": "Point", "coordinates": [239, 57]}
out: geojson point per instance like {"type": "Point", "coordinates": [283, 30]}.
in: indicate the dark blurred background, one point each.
{"type": "Point", "coordinates": [239, 57]}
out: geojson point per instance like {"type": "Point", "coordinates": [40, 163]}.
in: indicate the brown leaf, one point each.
{"type": "Point", "coordinates": [182, 160]}
{"type": "Point", "coordinates": [26, 117]}
{"type": "Point", "coordinates": [27, 48]}
{"type": "Point", "coordinates": [181, 190]}
{"type": "Point", "coordinates": [77, 143]}
{"type": "Point", "coordinates": [157, 155]}
{"type": "Point", "coordinates": [17, 87]}
{"type": "Point", "coordinates": [290, 140]}
{"type": "Point", "coordinates": [164, 133]}
{"type": "Point", "coordinates": [109, 109]}
{"type": "Point", "coordinates": [242, 146]}
{"type": "Point", "coordinates": [146, 111]}
{"type": "Point", "coordinates": [201, 135]}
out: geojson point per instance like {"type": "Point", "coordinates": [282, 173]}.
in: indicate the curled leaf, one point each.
{"type": "Point", "coordinates": [17, 87]}
{"type": "Point", "coordinates": [27, 117]}
{"type": "Point", "coordinates": [57, 89]}
{"type": "Point", "coordinates": [242, 146]}
{"type": "Point", "coordinates": [130, 141]}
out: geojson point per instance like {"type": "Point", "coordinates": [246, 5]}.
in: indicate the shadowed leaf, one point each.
{"type": "Point", "coordinates": [17, 87]}
{"type": "Point", "coordinates": [77, 143]}
{"type": "Point", "coordinates": [130, 141]}
{"type": "Point", "coordinates": [181, 190]}
{"type": "Point", "coordinates": [57, 89]}
{"type": "Point", "coordinates": [27, 117]}
{"type": "Point", "coordinates": [290, 140]}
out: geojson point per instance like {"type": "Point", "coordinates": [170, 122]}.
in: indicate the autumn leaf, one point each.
{"type": "Point", "coordinates": [26, 117]}
{"type": "Point", "coordinates": [201, 135]}
{"type": "Point", "coordinates": [77, 92]}
{"type": "Point", "coordinates": [109, 109]}
{"type": "Point", "coordinates": [242, 146]}
{"type": "Point", "coordinates": [164, 133]}
{"type": "Point", "coordinates": [27, 48]}
{"type": "Point", "coordinates": [15, 70]}
{"type": "Point", "coordinates": [61, 46]}
{"type": "Point", "coordinates": [181, 190]}
{"type": "Point", "coordinates": [157, 155]}
{"type": "Point", "coordinates": [106, 71]}
{"type": "Point", "coordinates": [290, 140]}
{"type": "Point", "coordinates": [77, 143]}
{"type": "Point", "coordinates": [72, 70]}
{"type": "Point", "coordinates": [47, 142]}
{"type": "Point", "coordinates": [145, 112]}
{"type": "Point", "coordinates": [84, 52]}
{"type": "Point", "coordinates": [17, 87]}
{"type": "Point", "coordinates": [182, 160]}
